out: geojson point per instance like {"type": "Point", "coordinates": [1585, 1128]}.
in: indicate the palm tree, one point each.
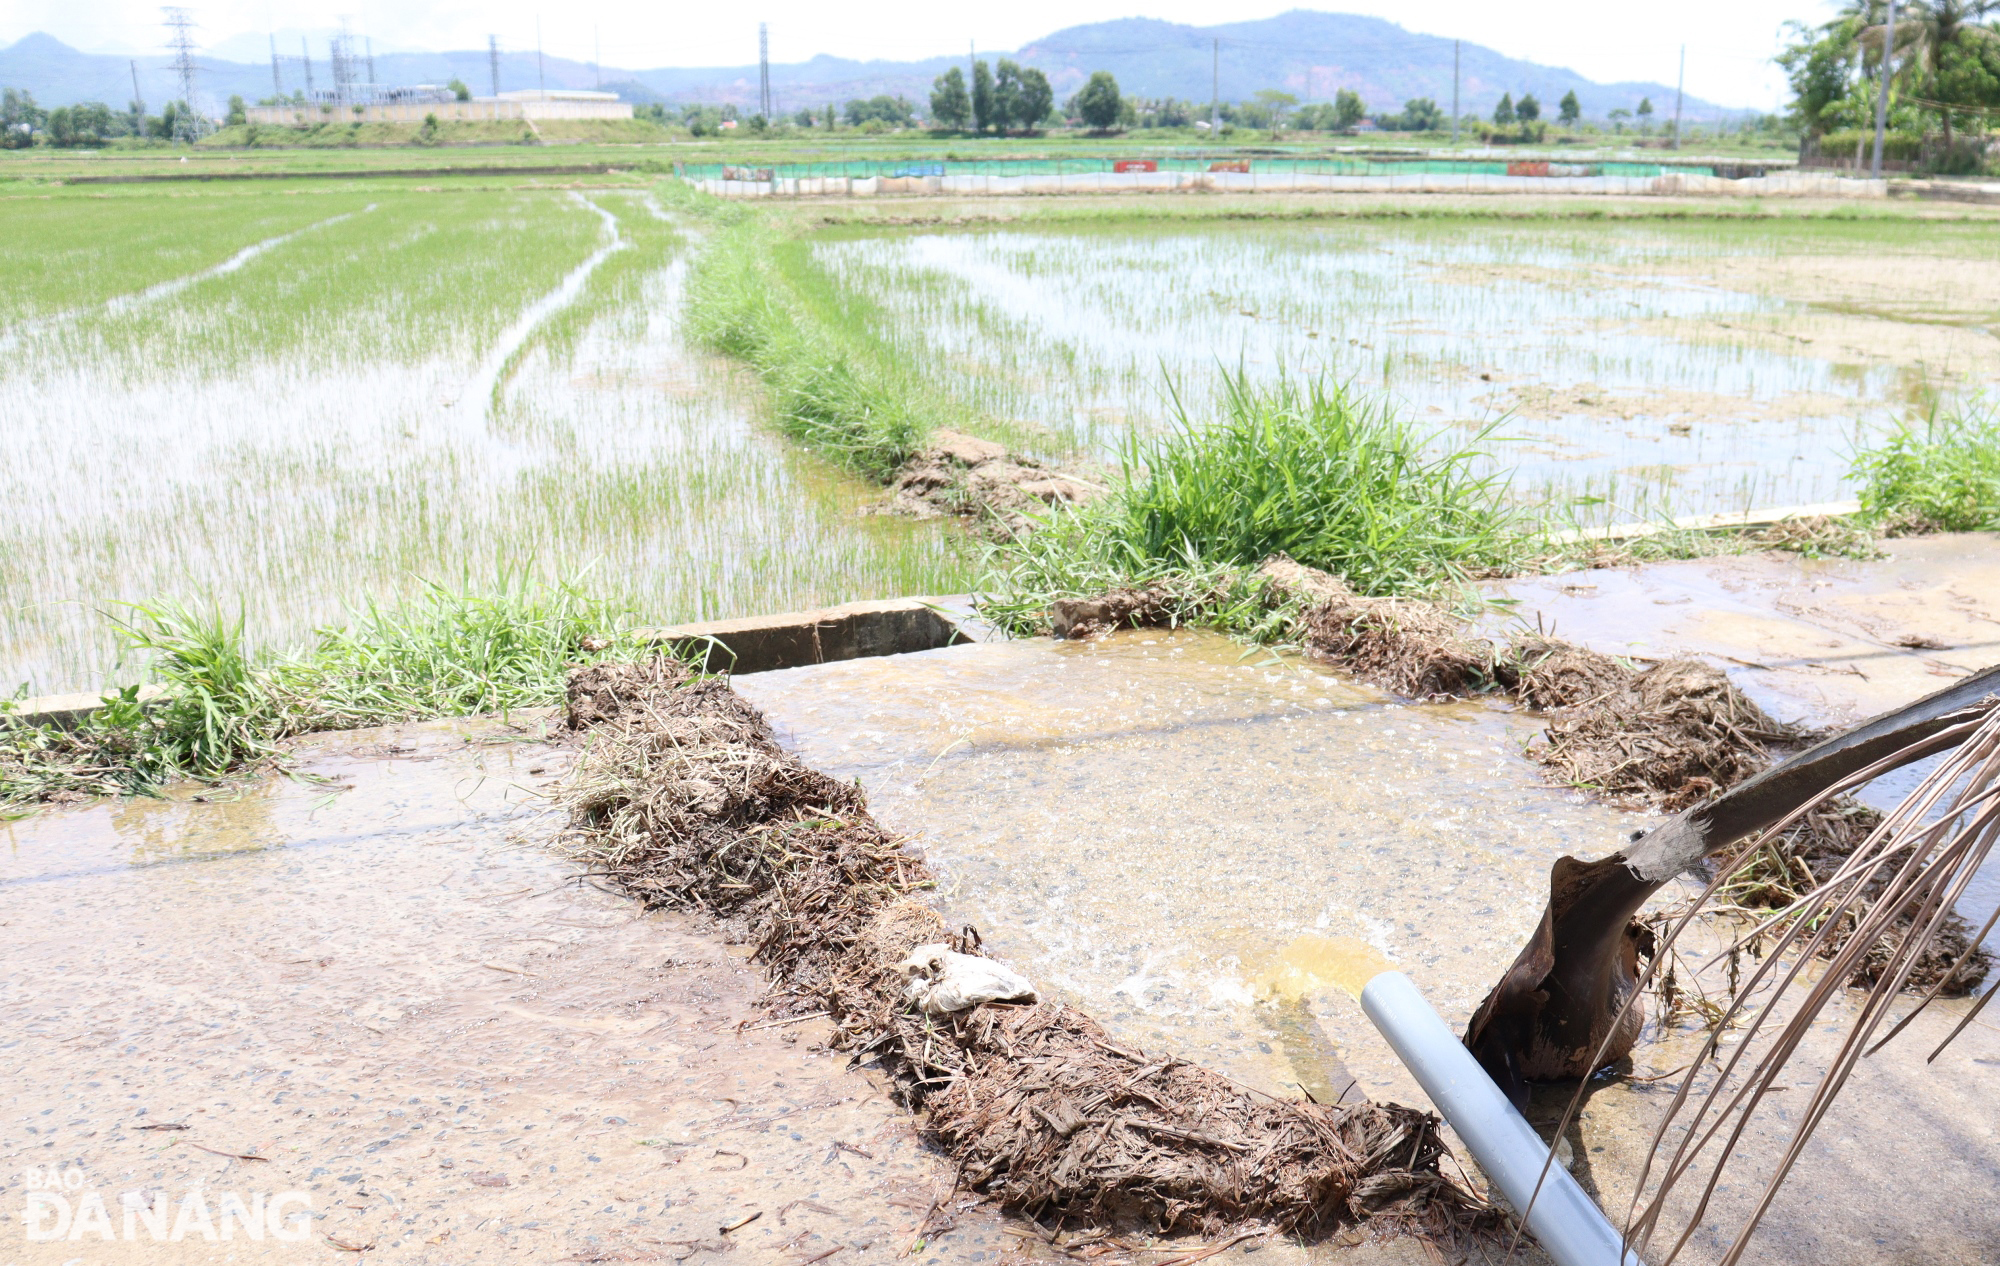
{"type": "Point", "coordinates": [1927, 33]}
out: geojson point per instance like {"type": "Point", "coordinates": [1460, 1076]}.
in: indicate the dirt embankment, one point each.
{"type": "Point", "coordinates": [1665, 736]}
{"type": "Point", "coordinates": [977, 479]}
{"type": "Point", "coordinates": [681, 795]}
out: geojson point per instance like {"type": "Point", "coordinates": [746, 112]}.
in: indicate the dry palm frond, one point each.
{"type": "Point", "coordinates": [1873, 917]}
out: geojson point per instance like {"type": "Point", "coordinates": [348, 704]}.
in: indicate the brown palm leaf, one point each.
{"type": "Point", "coordinates": [1893, 894]}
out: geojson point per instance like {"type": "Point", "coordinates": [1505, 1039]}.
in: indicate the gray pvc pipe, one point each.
{"type": "Point", "coordinates": [1562, 1216]}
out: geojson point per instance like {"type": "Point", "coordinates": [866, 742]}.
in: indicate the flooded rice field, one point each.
{"type": "Point", "coordinates": [342, 396]}
{"type": "Point", "coordinates": [1647, 367]}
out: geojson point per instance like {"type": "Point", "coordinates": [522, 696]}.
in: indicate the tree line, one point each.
{"type": "Point", "coordinates": [23, 123]}
{"type": "Point", "coordinates": [1942, 64]}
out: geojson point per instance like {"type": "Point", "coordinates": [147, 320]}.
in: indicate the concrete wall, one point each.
{"type": "Point", "coordinates": [1776, 185]}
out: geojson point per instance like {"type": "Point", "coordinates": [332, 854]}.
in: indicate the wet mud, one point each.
{"type": "Point", "coordinates": [392, 995]}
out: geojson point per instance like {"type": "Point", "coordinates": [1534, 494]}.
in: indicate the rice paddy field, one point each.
{"type": "Point", "coordinates": [1618, 371]}
{"type": "Point", "coordinates": [299, 404]}
{"type": "Point", "coordinates": [291, 402]}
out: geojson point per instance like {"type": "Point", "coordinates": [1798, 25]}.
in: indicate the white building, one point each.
{"type": "Point", "coordinates": [529, 103]}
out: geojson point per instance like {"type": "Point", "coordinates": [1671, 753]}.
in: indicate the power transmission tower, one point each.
{"type": "Point", "coordinates": [541, 83]}
{"type": "Point", "coordinates": [596, 57]}
{"type": "Point", "coordinates": [344, 69]}
{"type": "Point", "coordinates": [138, 102]}
{"type": "Point", "coordinates": [368, 43]}
{"type": "Point", "coordinates": [277, 83]}
{"type": "Point", "coordinates": [1882, 92]}
{"type": "Point", "coordinates": [1681, 80]}
{"type": "Point", "coordinates": [306, 60]}
{"type": "Point", "coordinates": [1454, 92]}
{"type": "Point", "coordinates": [493, 59]}
{"type": "Point", "coordinates": [181, 41]}
{"type": "Point", "coordinates": [764, 70]}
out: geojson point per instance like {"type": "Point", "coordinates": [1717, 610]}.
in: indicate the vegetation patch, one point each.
{"type": "Point", "coordinates": [448, 652]}
{"type": "Point", "coordinates": [1944, 477]}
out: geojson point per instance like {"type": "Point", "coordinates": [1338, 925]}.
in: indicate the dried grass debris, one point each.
{"type": "Point", "coordinates": [1416, 649]}
{"type": "Point", "coordinates": [682, 797]}
{"type": "Point", "coordinates": [1667, 737]}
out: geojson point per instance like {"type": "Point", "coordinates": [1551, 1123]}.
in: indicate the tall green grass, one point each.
{"type": "Point", "coordinates": [1942, 478]}
{"type": "Point", "coordinates": [1295, 467]}
{"type": "Point", "coordinates": [449, 651]}
{"type": "Point", "coordinates": [755, 294]}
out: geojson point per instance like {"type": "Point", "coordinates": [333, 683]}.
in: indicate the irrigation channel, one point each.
{"type": "Point", "coordinates": [377, 985]}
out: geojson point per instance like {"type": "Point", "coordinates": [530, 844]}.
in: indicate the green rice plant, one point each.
{"type": "Point", "coordinates": [1294, 467]}
{"type": "Point", "coordinates": [755, 295]}
{"type": "Point", "coordinates": [1944, 478]}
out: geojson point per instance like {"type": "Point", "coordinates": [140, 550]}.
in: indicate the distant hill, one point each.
{"type": "Point", "coordinates": [1307, 54]}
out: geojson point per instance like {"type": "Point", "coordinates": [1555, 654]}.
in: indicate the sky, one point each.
{"type": "Point", "coordinates": [1729, 42]}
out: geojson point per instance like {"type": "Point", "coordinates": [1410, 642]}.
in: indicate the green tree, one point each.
{"type": "Point", "coordinates": [1348, 109]}
{"type": "Point", "coordinates": [1097, 104]}
{"type": "Point", "coordinates": [20, 118]}
{"type": "Point", "coordinates": [458, 90]}
{"type": "Point", "coordinates": [1277, 103]}
{"type": "Point", "coordinates": [950, 106]}
{"type": "Point", "coordinates": [1941, 43]}
{"type": "Point", "coordinates": [1007, 103]}
{"type": "Point", "coordinates": [1618, 118]}
{"type": "Point", "coordinates": [1569, 109]}
{"type": "Point", "coordinates": [1038, 97]}
{"type": "Point", "coordinates": [1645, 114]}
{"type": "Point", "coordinates": [1503, 114]}
{"type": "Point", "coordinates": [238, 116]}
{"type": "Point", "coordinates": [982, 97]}
{"type": "Point", "coordinates": [1527, 110]}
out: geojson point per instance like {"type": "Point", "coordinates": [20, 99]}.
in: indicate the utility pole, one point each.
{"type": "Point", "coordinates": [541, 83]}
{"type": "Point", "coordinates": [493, 60]}
{"type": "Point", "coordinates": [1882, 93]}
{"type": "Point", "coordinates": [1454, 93]}
{"type": "Point", "coordinates": [764, 71]}
{"type": "Point", "coordinates": [138, 102]}
{"type": "Point", "coordinates": [306, 59]}
{"type": "Point", "coordinates": [1678, 83]}
{"type": "Point", "coordinates": [181, 41]}
{"type": "Point", "coordinates": [277, 84]}
{"type": "Point", "coordinates": [1215, 87]}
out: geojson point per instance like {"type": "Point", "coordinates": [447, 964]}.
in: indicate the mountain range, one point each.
{"type": "Point", "coordinates": [1306, 53]}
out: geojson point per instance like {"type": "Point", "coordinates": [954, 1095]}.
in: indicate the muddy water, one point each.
{"type": "Point", "coordinates": [383, 987]}
{"type": "Point", "coordinates": [1691, 368]}
{"type": "Point", "coordinates": [1177, 838]}
{"type": "Point", "coordinates": [1826, 642]}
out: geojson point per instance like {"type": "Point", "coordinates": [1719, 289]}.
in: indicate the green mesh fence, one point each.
{"type": "Point", "coordinates": [862, 169]}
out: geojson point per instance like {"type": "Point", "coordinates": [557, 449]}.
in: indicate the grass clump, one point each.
{"type": "Point", "coordinates": [1295, 468]}
{"type": "Point", "coordinates": [1944, 478]}
{"type": "Point", "coordinates": [446, 652]}
{"type": "Point", "coordinates": [756, 295]}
